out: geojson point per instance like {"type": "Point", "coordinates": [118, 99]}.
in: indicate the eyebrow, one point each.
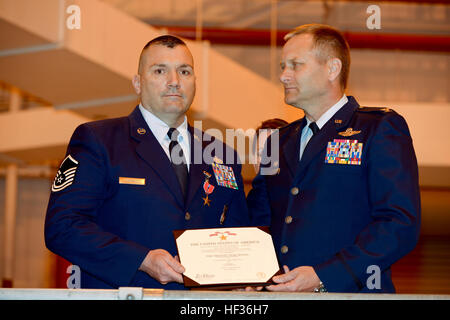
{"type": "Point", "coordinates": [184, 65]}
{"type": "Point", "coordinates": [292, 60]}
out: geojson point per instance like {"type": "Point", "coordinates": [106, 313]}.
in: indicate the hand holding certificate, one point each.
{"type": "Point", "coordinates": [227, 257]}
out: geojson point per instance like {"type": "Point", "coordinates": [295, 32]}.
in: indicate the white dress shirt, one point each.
{"type": "Point", "coordinates": [159, 129]}
{"type": "Point", "coordinates": [307, 132]}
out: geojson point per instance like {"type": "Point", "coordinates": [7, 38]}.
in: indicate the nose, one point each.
{"type": "Point", "coordinates": [285, 76]}
{"type": "Point", "coordinates": [173, 79]}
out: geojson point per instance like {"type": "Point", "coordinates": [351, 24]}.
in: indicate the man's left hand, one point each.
{"type": "Point", "coordinates": [300, 279]}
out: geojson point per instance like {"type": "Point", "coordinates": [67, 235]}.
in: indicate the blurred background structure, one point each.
{"type": "Point", "coordinates": [65, 62]}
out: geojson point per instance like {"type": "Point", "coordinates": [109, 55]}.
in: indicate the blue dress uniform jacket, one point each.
{"type": "Point", "coordinates": [344, 220]}
{"type": "Point", "coordinates": [106, 227]}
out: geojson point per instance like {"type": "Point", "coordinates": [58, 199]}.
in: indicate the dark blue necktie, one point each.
{"type": "Point", "coordinates": [314, 128]}
{"type": "Point", "coordinates": [178, 160]}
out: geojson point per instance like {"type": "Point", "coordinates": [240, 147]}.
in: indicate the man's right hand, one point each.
{"type": "Point", "coordinates": [160, 265]}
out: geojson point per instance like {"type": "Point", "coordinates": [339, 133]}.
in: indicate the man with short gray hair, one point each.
{"type": "Point", "coordinates": [344, 199]}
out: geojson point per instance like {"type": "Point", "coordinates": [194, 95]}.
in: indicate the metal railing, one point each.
{"type": "Point", "coordinates": [137, 293]}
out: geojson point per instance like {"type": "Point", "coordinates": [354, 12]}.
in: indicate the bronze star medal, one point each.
{"type": "Point", "coordinates": [208, 188]}
{"type": "Point", "coordinates": [206, 201]}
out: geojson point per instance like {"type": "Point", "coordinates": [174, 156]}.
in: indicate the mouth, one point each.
{"type": "Point", "coordinates": [172, 95]}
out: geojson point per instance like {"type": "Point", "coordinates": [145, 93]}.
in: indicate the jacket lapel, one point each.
{"type": "Point", "coordinates": [149, 149]}
{"type": "Point", "coordinates": [196, 175]}
{"type": "Point", "coordinates": [291, 149]}
{"type": "Point", "coordinates": [319, 142]}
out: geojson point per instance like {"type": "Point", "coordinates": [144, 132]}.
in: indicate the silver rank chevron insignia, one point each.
{"type": "Point", "coordinates": [224, 176]}
{"type": "Point", "coordinates": [342, 151]}
{"type": "Point", "coordinates": [66, 174]}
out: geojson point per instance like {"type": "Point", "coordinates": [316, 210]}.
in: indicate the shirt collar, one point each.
{"type": "Point", "coordinates": [330, 112]}
{"type": "Point", "coordinates": [159, 128]}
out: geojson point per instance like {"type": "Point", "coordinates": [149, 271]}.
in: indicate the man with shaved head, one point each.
{"type": "Point", "coordinates": [127, 183]}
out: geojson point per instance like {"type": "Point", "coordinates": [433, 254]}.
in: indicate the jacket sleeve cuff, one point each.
{"type": "Point", "coordinates": [337, 276]}
{"type": "Point", "coordinates": [123, 276]}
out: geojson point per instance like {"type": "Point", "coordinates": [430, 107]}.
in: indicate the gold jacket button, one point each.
{"type": "Point", "coordinates": [284, 249]}
{"type": "Point", "coordinates": [288, 219]}
{"type": "Point", "coordinates": [187, 216]}
{"type": "Point", "coordinates": [294, 191]}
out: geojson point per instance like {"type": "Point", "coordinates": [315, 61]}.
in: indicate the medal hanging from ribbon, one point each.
{"type": "Point", "coordinates": [208, 188]}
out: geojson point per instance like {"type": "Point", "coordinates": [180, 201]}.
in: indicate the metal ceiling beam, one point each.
{"type": "Point", "coordinates": [247, 19]}
{"type": "Point", "coordinates": [357, 40]}
{"type": "Point", "coordinates": [430, 2]}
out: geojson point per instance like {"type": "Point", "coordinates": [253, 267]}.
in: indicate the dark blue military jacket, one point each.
{"type": "Point", "coordinates": [346, 220]}
{"type": "Point", "coordinates": [116, 196]}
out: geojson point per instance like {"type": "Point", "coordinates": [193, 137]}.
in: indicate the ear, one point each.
{"type": "Point", "coordinates": [136, 81]}
{"type": "Point", "coordinates": [334, 68]}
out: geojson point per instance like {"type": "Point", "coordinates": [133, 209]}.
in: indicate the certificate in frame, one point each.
{"type": "Point", "coordinates": [227, 258]}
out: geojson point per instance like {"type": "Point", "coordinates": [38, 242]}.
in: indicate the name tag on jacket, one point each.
{"type": "Point", "coordinates": [134, 181]}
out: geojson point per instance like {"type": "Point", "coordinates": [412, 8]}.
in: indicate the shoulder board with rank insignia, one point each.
{"type": "Point", "coordinates": [374, 109]}
{"type": "Point", "coordinates": [66, 174]}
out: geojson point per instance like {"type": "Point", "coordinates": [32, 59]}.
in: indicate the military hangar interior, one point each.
{"type": "Point", "coordinates": [59, 69]}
